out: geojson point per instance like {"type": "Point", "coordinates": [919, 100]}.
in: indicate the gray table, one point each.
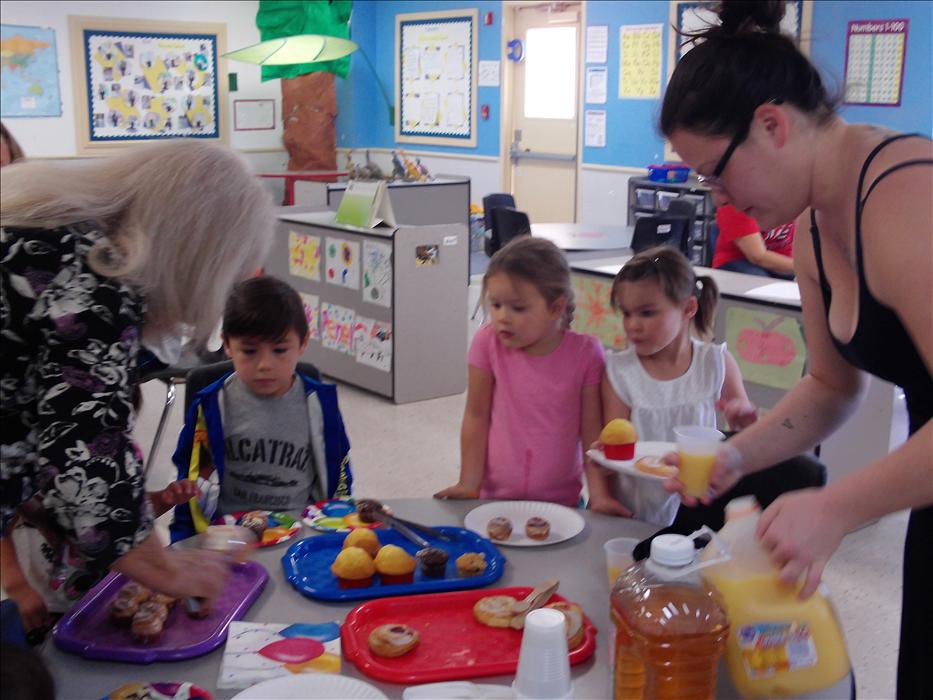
{"type": "Point", "coordinates": [579, 564]}
{"type": "Point", "coordinates": [585, 236]}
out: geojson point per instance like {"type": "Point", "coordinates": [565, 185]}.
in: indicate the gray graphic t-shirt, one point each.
{"type": "Point", "coordinates": [268, 460]}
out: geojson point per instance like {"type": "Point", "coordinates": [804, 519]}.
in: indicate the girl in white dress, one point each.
{"type": "Point", "coordinates": [666, 376]}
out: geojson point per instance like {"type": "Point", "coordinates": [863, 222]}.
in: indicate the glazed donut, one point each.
{"type": "Point", "coordinates": [393, 640]}
{"type": "Point", "coordinates": [494, 610]}
{"type": "Point", "coordinates": [573, 619]}
{"type": "Point", "coordinates": [537, 528]}
{"type": "Point", "coordinates": [499, 528]}
{"type": "Point", "coordinates": [656, 466]}
{"type": "Point", "coordinates": [149, 621]}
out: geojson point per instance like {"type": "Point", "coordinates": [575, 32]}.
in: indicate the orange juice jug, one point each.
{"type": "Point", "coordinates": [778, 645]}
{"type": "Point", "coordinates": [670, 627]}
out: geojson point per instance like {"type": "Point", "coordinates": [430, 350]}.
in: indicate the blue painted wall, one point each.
{"type": "Point", "coordinates": [631, 134]}
{"type": "Point", "coordinates": [828, 51]}
{"type": "Point", "coordinates": [363, 118]}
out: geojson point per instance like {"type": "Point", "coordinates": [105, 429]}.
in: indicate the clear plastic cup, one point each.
{"type": "Point", "coordinates": [543, 665]}
{"type": "Point", "coordinates": [619, 556]}
{"type": "Point", "coordinates": [697, 447]}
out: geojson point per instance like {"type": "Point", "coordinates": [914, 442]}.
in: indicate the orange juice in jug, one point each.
{"type": "Point", "coordinates": [670, 627]}
{"type": "Point", "coordinates": [778, 645]}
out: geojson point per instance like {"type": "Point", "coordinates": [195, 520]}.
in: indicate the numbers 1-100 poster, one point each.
{"type": "Point", "coordinates": [436, 58]}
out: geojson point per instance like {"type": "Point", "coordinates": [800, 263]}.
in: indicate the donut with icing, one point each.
{"type": "Point", "coordinates": [393, 640]}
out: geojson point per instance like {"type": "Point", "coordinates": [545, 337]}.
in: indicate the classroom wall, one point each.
{"type": "Point", "coordinates": [54, 137]}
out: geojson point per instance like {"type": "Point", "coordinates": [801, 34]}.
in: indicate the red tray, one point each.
{"type": "Point", "coordinates": [454, 646]}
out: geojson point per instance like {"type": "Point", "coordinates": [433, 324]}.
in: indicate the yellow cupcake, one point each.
{"type": "Point", "coordinates": [364, 539]}
{"type": "Point", "coordinates": [618, 439]}
{"type": "Point", "coordinates": [354, 568]}
{"type": "Point", "coordinates": [395, 565]}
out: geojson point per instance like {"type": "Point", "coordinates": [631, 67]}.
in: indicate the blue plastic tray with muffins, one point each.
{"type": "Point", "coordinates": [307, 566]}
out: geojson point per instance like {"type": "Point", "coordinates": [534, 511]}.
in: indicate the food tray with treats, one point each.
{"type": "Point", "coordinates": [452, 643]}
{"type": "Point", "coordinates": [270, 527]}
{"type": "Point", "coordinates": [645, 464]}
{"type": "Point", "coordinates": [89, 630]}
{"type": "Point", "coordinates": [334, 515]}
{"type": "Point", "coordinates": [525, 523]}
{"type": "Point", "coordinates": [307, 565]}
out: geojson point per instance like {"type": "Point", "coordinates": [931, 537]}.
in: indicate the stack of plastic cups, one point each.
{"type": "Point", "coordinates": [543, 664]}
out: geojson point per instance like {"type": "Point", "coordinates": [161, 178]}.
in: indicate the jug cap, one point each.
{"type": "Point", "coordinates": [740, 507]}
{"type": "Point", "coordinates": [672, 550]}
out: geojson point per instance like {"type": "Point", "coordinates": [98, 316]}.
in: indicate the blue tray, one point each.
{"type": "Point", "coordinates": [307, 566]}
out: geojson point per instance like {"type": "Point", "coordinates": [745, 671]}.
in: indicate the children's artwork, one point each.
{"type": "Point", "coordinates": [257, 651]}
{"type": "Point", "coordinates": [640, 60]}
{"type": "Point", "coordinates": [426, 255]}
{"type": "Point", "coordinates": [337, 328]}
{"type": "Point", "coordinates": [875, 61]}
{"type": "Point", "coordinates": [29, 71]}
{"type": "Point", "coordinates": [304, 256]}
{"type": "Point", "coordinates": [372, 343]}
{"type": "Point", "coordinates": [137, 80]}
{"type": "Point", "coordinates": [769, 348]}
{"type": "Point", "coordinates": [343, 262]}
{"type": "Point", "coordinates": [593, 313]}
{"type": "Point", "coordinates": [436, 64]}
{"type": "Point", "coordinates": [377, 273]}
{"type": "Point", "coordinates": [312, 306]}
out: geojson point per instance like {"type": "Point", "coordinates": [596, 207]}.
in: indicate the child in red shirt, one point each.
{"type": "Point", "coordinates": [743, 247]}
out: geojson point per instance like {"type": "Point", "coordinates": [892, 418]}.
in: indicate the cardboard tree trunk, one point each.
{"type": "Point", "coordinates": [309, 113]}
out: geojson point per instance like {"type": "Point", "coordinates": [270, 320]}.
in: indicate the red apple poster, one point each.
{"type": "Point", "coordinates": [768, 347]}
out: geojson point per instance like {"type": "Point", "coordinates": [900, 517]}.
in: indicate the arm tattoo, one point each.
{"type": "Point", "coordinates": [787, 424]}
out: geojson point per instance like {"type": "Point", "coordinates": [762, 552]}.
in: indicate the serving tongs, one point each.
{"type": "Point", "coordinates": [370, 511]}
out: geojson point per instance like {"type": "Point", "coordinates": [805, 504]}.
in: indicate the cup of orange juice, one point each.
{"type": "Point", "coordinates": [619, 556]}
{"type": "Point", "coordinates": [697, 447]}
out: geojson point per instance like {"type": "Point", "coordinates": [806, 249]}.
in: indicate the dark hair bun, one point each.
{"type": "Point", "coordinates": [740, 16]}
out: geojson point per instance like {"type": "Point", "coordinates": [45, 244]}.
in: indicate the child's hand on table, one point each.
{"type": "Point", "coordinates": [739, 412]}
{"type": "Point", "coordinates": [609, 506]}
{"type": "Point", "coordinates": [458, 492]}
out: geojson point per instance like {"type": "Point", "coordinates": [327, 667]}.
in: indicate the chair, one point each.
{"type": "Point", "coordinates": [681, 207]}
{"type": "Point", "coordinates": [662, 230]}
{"type": "Point", "coordinates": [200, 377]}
{"type": "Point", "coordinates": [508, 223]}
{"type": "Point", "coordinates": [490, 202]}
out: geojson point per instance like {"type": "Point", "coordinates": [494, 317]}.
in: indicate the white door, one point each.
{"type": "Point", "coordinates": [544, 111]}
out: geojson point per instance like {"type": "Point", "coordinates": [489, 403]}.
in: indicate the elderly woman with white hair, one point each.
{"type": "Point", "coordinates": [100, 261]}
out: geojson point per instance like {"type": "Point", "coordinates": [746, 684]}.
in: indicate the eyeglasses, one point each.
{"type": "Point", "coordinates": [714, 180]}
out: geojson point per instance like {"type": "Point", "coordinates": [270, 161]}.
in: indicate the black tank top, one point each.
{"type": "Point", "coordinates": [881, 345]}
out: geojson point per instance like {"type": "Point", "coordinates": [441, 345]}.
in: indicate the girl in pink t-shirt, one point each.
{"type": "Point", "coordinates": [533, 394]}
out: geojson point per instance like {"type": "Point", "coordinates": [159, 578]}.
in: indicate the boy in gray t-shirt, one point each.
{"type": "Point", "coordinates": [264, 437]}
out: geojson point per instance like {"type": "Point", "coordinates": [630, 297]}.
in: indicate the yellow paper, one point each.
{"type": "Point", "coordinates": [640, 60]}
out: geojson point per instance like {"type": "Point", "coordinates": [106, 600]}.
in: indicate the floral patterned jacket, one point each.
{"type": "Point", "coordinates": [70, 340]}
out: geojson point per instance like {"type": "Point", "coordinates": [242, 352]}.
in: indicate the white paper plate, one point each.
{"type": "Point", "coordinates": [311, 686]}
{"type": "Point", "coordinates": [627, 466]}
{"type": "Point", "coordinates": [565, 522]}
{"type": "Point", "coordinates": [455, 690]}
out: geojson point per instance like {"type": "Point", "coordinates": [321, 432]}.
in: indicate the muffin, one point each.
{"type": "Point", "coordinates": [395, 565]}
{"type": "Point", "coordinates": [618, 439]}
{"type": "Point", "coordinates": [499, 528]}
{"type": "Point", "coordinates": [364, 539]}
{"type": "Point", "coordinates": [471, 564]}
{"type": "Point", "coordinates": [353, 568]}
{"type": "Point", "coordinates": [433, 562]}
{"type": "Point", "coordinates": [537, 528]}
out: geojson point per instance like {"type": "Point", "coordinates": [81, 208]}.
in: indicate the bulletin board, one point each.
{"type": "Point", "coordinates": [436, 77]}
{"type": "Point", "coordinates": [875, 53]}
{"type": "Point", "coordinates": [137, 80]}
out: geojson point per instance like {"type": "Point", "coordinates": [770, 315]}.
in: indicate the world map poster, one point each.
{"type": "Point", "coordinates": [28, 72]}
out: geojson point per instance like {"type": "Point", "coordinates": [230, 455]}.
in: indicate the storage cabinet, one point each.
{"type": "Point", "coordinates": [651, 198]}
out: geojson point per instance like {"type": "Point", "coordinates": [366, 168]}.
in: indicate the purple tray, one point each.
{"type": "Point", "coordinates": [88, 631]}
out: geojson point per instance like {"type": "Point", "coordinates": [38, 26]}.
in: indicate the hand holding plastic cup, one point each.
{"type": "Point", "coordinates": [543, 664]}
{"type": "Point", "coordinates": [696, 447]}
{"type": "Point", "coordinates": [619, 556]}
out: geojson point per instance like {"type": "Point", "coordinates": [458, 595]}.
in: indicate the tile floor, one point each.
{"type": "Point", "coordinates": [413, 450]}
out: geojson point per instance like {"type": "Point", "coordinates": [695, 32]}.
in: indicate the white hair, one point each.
{"type": "Point", "coordinates": [185, 221]}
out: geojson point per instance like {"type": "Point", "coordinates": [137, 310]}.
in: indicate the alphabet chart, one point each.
{"type": "Point", "coordinates": [875, 61]}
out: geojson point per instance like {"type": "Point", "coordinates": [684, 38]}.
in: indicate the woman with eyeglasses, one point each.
{"type": "Point", "coordinates": [749, 112]}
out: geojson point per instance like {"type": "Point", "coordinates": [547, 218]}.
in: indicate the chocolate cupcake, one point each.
{"type": "Point", "coordinates": [433, 562]}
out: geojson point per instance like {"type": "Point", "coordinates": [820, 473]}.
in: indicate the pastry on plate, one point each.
{"type": "Point", "coordinates": [149, 621]}
{"type": "Point", "coordinates": [656, 466]}
{"type": "Point", "coordinates": [471, 564]}
{"type": "Point", "coordinates": [363, 538]}
{"type": "Point", "coordinates": [618, 439]}
{"type": "Point", "coordinates": [127, 601]}
{"type": "Point", "coordinates": [255, 520]}
{"type": "Point", "coordinates": [393, 640]}
{"type": "Point", "coordinates": [573, 619]}
{"type": "Point", "coordinates": [353, 568]}
{"type": "Point", "coordinates": [495, 610]}
{"type": "Point", "coordinates": [537, 528]}
{"type": "Point", "coordinates": [433, 562]}
{"type": "Point", "coordinates": [499, 528]}
{"type": "Point", "coordinates": [395, 565]}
